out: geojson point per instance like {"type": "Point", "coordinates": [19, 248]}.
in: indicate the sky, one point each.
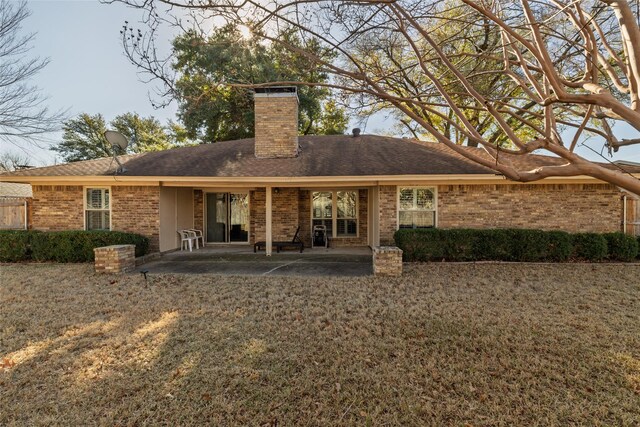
{"type": "Point", "coordinates": [89, 73]}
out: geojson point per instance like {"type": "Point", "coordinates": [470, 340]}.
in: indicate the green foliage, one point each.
{"type": "Point", "coordinates": [589, 246]}
{"type": "Point", "coordinates": [213, 111]}
{"type": "Point", "coordinates": [83, 137]}
{"type": "Point", "coordinates": [483, 245]}
{"type": "Point", "coordinates": [621, 247]}
{"type": "Point", "coordinates": [15, 245]}
{"type": "Point", "coordinates": [64, 246]}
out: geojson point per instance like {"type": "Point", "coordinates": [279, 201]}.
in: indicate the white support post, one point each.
{"type": "Point", "coordinates": [269, 238]}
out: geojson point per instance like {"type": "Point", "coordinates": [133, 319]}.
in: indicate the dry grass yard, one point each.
{"type": "Point", "coordinates": [447, 344]}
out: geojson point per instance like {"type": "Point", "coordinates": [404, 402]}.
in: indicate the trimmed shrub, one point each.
{"type": "Point", "coordinates": [484, 245]}
{"type": "Point", "coordinates": [589, 246]}
{"type": "Point", "coordinates": [621, 247]}
{"type": "Point", "coordinates": [15, 245]}
{"type": "Point", "coordinates": [420, 244]}
{"type": "Point", "coordinates": [64, 246]}
{"type": "Point", "coordinates": [538, 245]}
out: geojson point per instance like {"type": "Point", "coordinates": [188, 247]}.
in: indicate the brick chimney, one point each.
{"type": "Point", "coordinates": [276, 113]}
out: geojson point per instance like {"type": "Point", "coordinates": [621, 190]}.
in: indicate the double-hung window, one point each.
{"type": "Point", "coordinates": [96, 209]}
{"type": "Point", "coordinates": [416, 207]}
{"type": "Point", "coordinates": [337, 210]}
{"type": "Point", "coordinates": [347, 218]}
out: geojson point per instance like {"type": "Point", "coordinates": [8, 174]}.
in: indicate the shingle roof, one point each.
{"type": "Point", "coordinates": [336, 155]}
{"type": "Point", "coordinates": [10, 189]}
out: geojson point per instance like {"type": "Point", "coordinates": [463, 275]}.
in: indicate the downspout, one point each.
{"type": "Point", "coordinates": [624, 214]}
{"type": "Point", "coordinates": [26, 215]}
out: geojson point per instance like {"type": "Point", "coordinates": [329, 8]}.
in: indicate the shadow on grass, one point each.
{"type": "Point", "coordinates": [440, 346]}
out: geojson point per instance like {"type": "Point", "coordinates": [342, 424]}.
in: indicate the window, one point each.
{"type": "Point", "coordinates": [347, 222]}
{"type": "Point", "coordinates": [97, 209]}
{"type": "Point", "coordinates": [416, 208]}
{"type": "Point", "coordinates": [337, 210]}
{"type": "Point", "coordinates": [323, 210]}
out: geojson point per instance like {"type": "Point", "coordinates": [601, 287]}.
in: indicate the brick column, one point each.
{"type": "Point", "coordinates": [115, 258]}
{"type": "Point", "coordinates": [387, 261]}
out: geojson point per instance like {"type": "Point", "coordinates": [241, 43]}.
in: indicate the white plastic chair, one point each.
{"type": "Point", "coordinates": [199, 235]}
{"type": "Point", "coordinates": [186, 240]}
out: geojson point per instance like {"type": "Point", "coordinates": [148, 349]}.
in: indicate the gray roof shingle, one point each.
{"type": "Point", "coordinates": [336, 155]}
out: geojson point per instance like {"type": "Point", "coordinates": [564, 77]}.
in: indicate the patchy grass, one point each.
{"type": "Point", "coordinates": [446, 344]}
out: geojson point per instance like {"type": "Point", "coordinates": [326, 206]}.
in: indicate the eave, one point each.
{"type": "Point", "coordinates": [306, 181]}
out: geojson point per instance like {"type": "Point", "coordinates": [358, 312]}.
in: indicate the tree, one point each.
{"type": "Point", "coordinates": [211, 112]}
{"type": "Point", "coordinates": [83, 137]}
{"type": "Point", "coordinates": [11, 161]}
{"type": "Point", "coordinates": [23, 116]}
{"type": "Point", "coordinates": [573, 70]}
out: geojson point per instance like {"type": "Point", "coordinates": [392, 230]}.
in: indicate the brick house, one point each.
{"type": "Point", "coordinates": [362, 188]}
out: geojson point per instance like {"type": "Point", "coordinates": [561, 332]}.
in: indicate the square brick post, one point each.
{"type": "Point", "coordinates": [115, 258]}
{"type": "Point", "coordinates": [387, 261]}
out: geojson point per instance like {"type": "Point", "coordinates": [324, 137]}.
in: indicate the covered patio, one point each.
{"type": "Point", "coordinates": [240, 260]}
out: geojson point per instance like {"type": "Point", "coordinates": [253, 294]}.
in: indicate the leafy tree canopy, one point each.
{"type": "Point", "coordinates": [83, 137]}
{"type": "Point", "coordinates": [213, 112]}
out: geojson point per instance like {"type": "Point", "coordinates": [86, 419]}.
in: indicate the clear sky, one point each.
{"type": "Point", "coordinates": [89, 73]}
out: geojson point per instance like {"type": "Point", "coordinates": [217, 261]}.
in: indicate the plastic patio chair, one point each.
{"type": "Point", "coordinates": [187, 239]}
{"type": "Point", "coordinates": [199, 235]}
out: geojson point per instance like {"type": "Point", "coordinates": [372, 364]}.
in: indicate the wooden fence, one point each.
{"type": "Point", "coordinates": [13, 213]}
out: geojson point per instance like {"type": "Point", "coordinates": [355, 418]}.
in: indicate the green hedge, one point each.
{"type": "Point", "coordinates": [522, 245]}
{"type": "Point", "coordinates": [64, 246]}
{"type": "Point", "coordinates": [590, 246]}
{"type": "Point", "coordinates": [15, 245]}
{"type": "Point", "coordinates": [621, 247]}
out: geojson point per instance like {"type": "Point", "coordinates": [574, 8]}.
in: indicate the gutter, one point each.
{"type": "Point", "coordinates": [288, 181]}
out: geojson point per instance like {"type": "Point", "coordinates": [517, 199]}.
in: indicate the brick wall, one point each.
{"type": "Point", "coordinates": [136, 209]}
{"type": "Point", "coordinates": [133, 209]}
{"type": "Point", "coordinates": [284, 214]}
{"type": "Point", "coordinates": [304, 219]}
{"type": "Point", "coordinates": [363, 216]}
{"type": "Point", "coordinates": [292, 207]}
{"type": "Point", "coordinates": [304, 216]}
{"type": "Point", "coordinates": [276, 126]}
{"type": "Point", "coordinates": [57, 208]}
{"type": "Point", "coordinates": [388, 213]}
{"type": "Point", "coordinates": [568, 207]}
{"type": "Point", "coordinates": [198, 209]}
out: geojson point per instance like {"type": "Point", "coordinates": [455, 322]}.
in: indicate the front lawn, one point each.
{"type": "Point", "coordinates": [447, 344]}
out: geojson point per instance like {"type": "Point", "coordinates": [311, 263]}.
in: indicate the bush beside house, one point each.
{"type": "Point", "coordinates": [63, 246]}
{"type": "Point", "coordinates": [621, 247]}
{"type": "Point", "coordinates": [436, 244]}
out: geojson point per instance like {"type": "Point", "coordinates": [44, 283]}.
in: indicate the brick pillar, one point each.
{"type": "Point", "coordinates": [387, 261]}
{"type": "Point", "coordinates": [115, 258]}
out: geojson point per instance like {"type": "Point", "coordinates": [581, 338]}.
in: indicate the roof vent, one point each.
{"type": "Point", "coordinates": [356, 132]}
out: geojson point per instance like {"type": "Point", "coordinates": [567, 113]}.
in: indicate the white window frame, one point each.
{"type": "Point", "coordinates": [84, 204]}
{"type": "Point", "coordinates": [334, 211]}
{"type": "Point", "coordinates": [413, 187]}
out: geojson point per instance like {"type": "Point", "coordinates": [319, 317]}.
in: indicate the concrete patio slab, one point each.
{"type": "Point", "coordinates": [230, 260]}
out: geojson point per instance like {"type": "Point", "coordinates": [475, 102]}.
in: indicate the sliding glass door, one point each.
{"type": "Point", "coordinates": [227, 217]}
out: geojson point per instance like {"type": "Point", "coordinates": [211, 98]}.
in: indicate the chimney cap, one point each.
{"type": "Point", "coordinates": [356, 132]}
{"type": "Point", "coordinates": [276, 89]}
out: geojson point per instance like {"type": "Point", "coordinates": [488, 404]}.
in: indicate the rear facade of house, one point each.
{"type": "Point", "coordinates": [362, 188]}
